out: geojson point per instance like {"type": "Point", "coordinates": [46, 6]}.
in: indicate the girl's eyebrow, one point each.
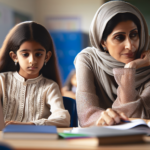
{"type": "Point", "coordinates": [124, 32]}
{"type": "Point", "coordinates": [24, 50]}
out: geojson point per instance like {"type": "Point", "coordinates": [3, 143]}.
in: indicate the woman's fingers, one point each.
{"type": "Point", "coordinates": [123, 116]}
{"type": "Point", "coordinates": [105, 120]}
{"type": "Point", "coordinates": [113, 114]}
{"type": "Point", "coordinates": [101, 122]}
{"type": "Point", "coordinates": [111, 117]}
{"type": "Point", "coordinates": [108, 119]}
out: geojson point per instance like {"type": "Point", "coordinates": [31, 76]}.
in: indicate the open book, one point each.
{"type": "Point", "coordinates": [131, 132]}
{"type": "Point", "coordinates": [137, 124]}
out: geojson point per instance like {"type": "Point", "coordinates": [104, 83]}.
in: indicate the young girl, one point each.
{"type": "Point", "coordinates": [29, 78]}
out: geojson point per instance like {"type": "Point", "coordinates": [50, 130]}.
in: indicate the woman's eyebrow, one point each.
{"type": "Point", "coordinates": [134, 29]}
{"type": "Point", "coordinates": [119, 33]}
{"type": "Point", "coordinates": [27, 50]}
{"type": "Point", "coordinates": [124, 32]}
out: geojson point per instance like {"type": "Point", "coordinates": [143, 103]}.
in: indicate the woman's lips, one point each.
{"type": "Point", "coordinates": [129, 54]}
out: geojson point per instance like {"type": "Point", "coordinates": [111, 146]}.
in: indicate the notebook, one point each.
{"type": "Point", "coordinates": [105, 136]}
{"type": "Point", "coordinates": [2, 124]}
{"type": "Point", "coordinates": [30, 132]}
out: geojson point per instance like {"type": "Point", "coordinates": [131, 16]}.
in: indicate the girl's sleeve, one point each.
{"type": "Point", "coordinates": [59, 116]}
{"type": "Point", "coordinates": [128, 100]}
{"type": "Point", "coordinates": [88, 103]}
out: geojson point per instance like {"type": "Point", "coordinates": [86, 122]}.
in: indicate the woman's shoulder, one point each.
{"type": "Point", "coordinates": [85, 53]}
{"type": "Point", "coordinates": [84, 56]}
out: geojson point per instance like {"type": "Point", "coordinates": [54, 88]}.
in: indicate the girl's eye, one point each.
{"type": "Point", "coordinates": [38, 54]}
{"type": "Point", "coordinates": [120, 37]}
{"type": "Point", "coordinates": [25, 55]}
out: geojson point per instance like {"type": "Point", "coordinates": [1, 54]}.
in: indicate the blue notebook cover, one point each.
{"type": "Point", "coordinates": [30, 129]}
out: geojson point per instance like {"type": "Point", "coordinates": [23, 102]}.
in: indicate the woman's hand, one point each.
{"type": "Point", "coordinates": [16, 122]}
{"type": "Point", "coordinates": [111, 117]}
{"type": "Point", "coordinates": [141, 62]}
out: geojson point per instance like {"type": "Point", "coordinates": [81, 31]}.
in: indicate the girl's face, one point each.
{"type": "Point", "coordinates": [31, 57]}
{"type": "Point", "coordinates": [123, 43]}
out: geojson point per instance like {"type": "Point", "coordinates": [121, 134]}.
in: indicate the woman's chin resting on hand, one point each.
{"type": "Point", "coordinates": [141, 62]}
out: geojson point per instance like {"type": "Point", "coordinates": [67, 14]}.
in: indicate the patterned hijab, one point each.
{"type": "Point", "coordinates": [103, 60]}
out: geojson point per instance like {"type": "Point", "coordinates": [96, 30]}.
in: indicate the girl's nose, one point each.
{"type": "Point", "coordinates": [32, 59]}
{"type": "Point", "coordinates": [128, 44]}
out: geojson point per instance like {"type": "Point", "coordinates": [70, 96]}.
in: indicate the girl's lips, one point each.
{"type": "Point", "coordinates": [32, 68]}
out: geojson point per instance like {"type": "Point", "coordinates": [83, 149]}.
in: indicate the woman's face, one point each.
{"type": "Point", "coordinates": [123, 43]}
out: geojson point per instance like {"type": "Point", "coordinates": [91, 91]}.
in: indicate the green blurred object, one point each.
{"type": "Point", "coordinates": [73, 135]}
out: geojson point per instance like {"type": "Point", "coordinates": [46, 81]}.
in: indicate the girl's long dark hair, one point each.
{"type": "Point", "coordinates": [26, 31]}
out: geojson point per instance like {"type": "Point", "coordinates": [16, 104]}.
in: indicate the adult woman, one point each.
{"type": "Point", "coordinates": [118, 36]}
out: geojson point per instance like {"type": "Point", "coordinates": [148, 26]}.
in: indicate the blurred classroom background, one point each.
{"type": "Point", "coordinates": [68, 22]}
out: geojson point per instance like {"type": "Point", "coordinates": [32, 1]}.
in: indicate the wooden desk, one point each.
{"type": "Point", "coordinates": [65, 145]}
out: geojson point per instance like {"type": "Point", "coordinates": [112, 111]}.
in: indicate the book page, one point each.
{"type": "Point", "coordinates": [128, 125]}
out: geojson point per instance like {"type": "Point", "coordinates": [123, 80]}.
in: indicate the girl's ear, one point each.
{"type": "Point", "coordinates": [48, 56]}
{"type": "Point", "coordinates": [13, 56]}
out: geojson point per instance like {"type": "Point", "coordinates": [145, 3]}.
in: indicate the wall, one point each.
{"type": "Point", "coordinates": [24, 6]}
{"type": "Point", "coordinates": [9, 9]}
{"type": "Point", "coordinates": [41, 9]}
{"type": "Point", "coordinates": [82, 8]}
{"type": "Point", "coordinates": [143, 6]}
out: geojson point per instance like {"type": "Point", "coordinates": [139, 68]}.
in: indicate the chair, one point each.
{"type": "Point", "coordinates": [70, 105]}
{"type": "Point", "coordinates": [5, 147]}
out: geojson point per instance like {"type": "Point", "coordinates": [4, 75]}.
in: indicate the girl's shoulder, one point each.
{"type": "Point", "coordinates": [50, 85]}
{"type": "Point", "coordinates": [6, 73]}
{"type": "Point", "coordinates": [49, 81]}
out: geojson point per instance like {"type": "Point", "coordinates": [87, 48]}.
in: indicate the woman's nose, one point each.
{"type": "Point", "coordinates": [128, 44]}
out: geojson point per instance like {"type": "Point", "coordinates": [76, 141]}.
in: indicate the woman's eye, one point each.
{"type": "Point", "coordinates": [25, 55]}
{"type": "Point", "coordinates": [38, 54]}
{"type": "Point", "coordinates": [133, 34]}
{"type": "Point", "coordinates": [120, 37]}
